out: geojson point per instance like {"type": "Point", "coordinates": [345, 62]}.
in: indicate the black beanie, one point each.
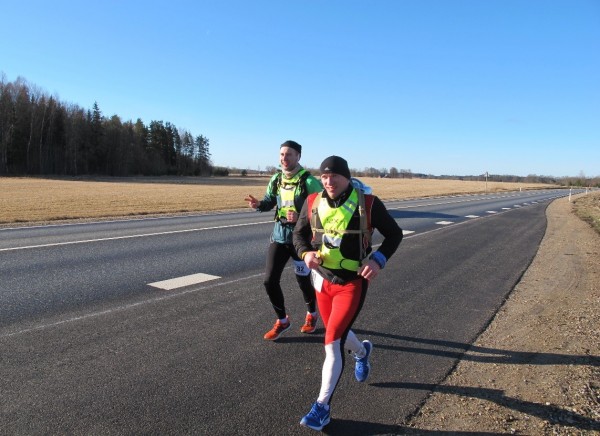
{"type": "Point", "coordinates": [337, 165]}
{"type": "Point", "coordinates": [292, 144]}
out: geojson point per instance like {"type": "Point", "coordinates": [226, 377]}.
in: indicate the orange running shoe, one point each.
{"type": "Point", "coordinates": [310, 323]}
{"type": "Point", "coordinates": [277, 330]}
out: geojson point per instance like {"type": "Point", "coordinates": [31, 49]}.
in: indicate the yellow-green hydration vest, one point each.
{"type": "Point", "coordinates": [334, 224]}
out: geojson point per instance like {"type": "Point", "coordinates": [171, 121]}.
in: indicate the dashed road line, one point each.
{"type": "Point", "coordinates": [180, 282]}
{"type": "Point", "coordinates": [115, 238]}
{"type": "Point", "coordinates": [96, 314]}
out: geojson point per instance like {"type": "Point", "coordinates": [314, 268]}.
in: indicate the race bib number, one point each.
{"type": "Point", "coordinates": [301, 268]}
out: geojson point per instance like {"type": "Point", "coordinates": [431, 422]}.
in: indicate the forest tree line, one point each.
{"type": "Point", "coordinates": [394, 173]}
{"type": "Point", "coordinates": [40, 135]}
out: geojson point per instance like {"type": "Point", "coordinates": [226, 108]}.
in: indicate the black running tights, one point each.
{"type": "Point", "coordinates": [277, 257]}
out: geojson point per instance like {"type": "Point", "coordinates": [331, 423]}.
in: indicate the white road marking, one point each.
{"type": "Point", "coordinates": [491, 211]}
{"type": "Point", "coordinates": [517, 205]}
{"type": "Point", "coordinates": [127, 306]}
{"type": "Point", "coordinates": [442, 202]}
{"type": "Point", "coordinates": [115, 238]}
{"type": "Point", "coordinates": [118, 220]}
{"type": "Point", "coordinates": [444, 223]}
{"type": "Point", "coordinates": [407, 232]}
{"type": "Point", "coordinates": [180, 282]}
{"type": "Point", "coordinates": [506, 208]}
{"type": "Point", "coordinates": [472, 216]}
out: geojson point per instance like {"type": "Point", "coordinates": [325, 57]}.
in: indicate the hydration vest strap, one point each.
{"type": "Point", "coordinates": [364, 230]}
{"type": "Point", "coordinates": [314, 213]}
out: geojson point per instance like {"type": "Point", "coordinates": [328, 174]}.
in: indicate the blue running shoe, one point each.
{"type": "Point", "coordinates": [317, 418]}
{"type": "Point", "coordinates": [362, 367]}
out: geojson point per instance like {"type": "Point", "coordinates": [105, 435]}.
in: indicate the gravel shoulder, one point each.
{"type": "Point", "coordinates": [536, 368]}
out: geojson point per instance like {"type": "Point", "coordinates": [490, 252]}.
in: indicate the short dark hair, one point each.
{"type": "Point", "coordinates": [292, 144]}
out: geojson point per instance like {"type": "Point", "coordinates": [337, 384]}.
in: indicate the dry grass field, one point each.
{"type": "Point", "coordinates": [587, 207]}
{"type": "Point", "coordinates": [34, 200]}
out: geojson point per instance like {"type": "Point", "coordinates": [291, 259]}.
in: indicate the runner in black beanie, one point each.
{"type": "Point", "coordinates": [337, 165]}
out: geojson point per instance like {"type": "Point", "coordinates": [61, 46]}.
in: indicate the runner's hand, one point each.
{"type": "Point", "coordinates": [369, 270]}
{"type": "Point", "coordinates": [312, 259]}
{"type": "Point", "coordinates": [252, 202]}
{"type": "Point", "coordinates": [291, 216]}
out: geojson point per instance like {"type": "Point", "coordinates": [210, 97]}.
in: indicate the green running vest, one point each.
{"type": "Point", "coordinates": [335, 223]}
{"type": "Point", "coordinates": [286, 194]}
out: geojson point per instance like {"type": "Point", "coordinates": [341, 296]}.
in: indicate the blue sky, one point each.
{"type": "Point", "coordinates": [435, 86]}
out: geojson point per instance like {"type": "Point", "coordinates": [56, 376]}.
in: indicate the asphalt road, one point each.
{"type": "Point", "coordinates": [89, 346]}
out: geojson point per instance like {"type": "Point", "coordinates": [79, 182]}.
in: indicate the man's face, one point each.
{"type": "Point", "coordinates": [288, 158]}
{"type": "Point", "coordinates": [334, 184]}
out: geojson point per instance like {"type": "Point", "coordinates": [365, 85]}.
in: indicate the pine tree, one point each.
{"type": "Point", "coordinates": [203, 156]}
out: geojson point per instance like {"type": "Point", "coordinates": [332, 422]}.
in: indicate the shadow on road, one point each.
{"type": "Point", "coordinates": [350, 428]}
{"type": "Point", "coordinates": [550, 413]}
{"type": "Point", "coordinates": [457, 350]}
